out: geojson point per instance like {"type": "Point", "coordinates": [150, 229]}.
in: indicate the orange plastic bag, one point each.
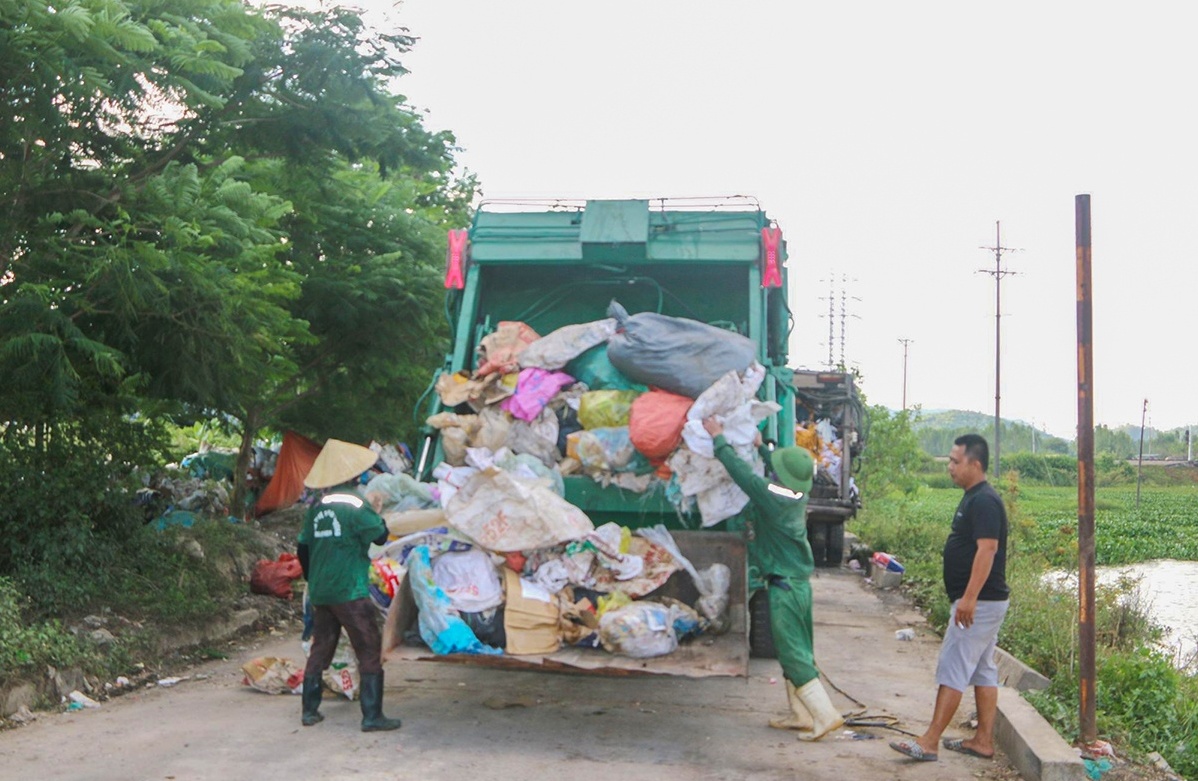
{"type": "Point", "coordinates": [655, 423]}
{"type": "Point", "coordinates": [273, 578]}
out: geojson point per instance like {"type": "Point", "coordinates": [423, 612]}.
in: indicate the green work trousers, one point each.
{"type": "Point", "coordinates": [791, 623]}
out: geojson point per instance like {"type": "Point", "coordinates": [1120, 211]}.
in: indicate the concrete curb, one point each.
{"type": "Point", "coordinates": [1017, 675]}
{"type": "Point", "coordinates": [1031, 743]}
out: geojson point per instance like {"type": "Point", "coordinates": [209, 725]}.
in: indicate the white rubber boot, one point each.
{"type": "Point", "coordinates": [815, 698]}
{"type": "Point", "coordinates": [799, 719]}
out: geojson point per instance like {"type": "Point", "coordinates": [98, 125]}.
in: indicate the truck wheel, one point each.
{"type": "Point", "coordinates": [761, 637]}
{"type": "Point", "coordinates": [817, 536]}
{"type": "Point", "coordinates": [835, 544]}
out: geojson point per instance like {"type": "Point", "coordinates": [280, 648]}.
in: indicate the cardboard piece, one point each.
{"type": "Point", "coordinates": [530, 617]}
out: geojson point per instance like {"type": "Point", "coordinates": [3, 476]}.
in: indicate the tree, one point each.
{"type": "Point", "coordinates": [211, 210]}
{"type": "Point", "coordinates": [1116, 442]}
{"type": "Point", "coordinates": [893, 460]}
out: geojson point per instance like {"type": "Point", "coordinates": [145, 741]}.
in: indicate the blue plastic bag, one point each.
{"type": "Point", "coordinates": [440, 625]}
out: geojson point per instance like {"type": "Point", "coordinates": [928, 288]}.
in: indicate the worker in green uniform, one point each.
{"type": "Point", "coordinates": [776, 529]}
{"type": "Point", "coordinates": [333, 551]}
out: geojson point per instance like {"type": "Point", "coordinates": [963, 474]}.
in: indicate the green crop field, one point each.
{"type": "Point", "coordinates": [1044, 520]}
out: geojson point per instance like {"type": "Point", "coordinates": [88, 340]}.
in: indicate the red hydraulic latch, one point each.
{"type": "Point", "coordinates": [771, 260]}
{"type": "Point", "coordinates": [455, 261]}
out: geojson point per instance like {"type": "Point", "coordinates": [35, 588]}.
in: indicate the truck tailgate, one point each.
{"type": "Point", "coordinates": [702, 657]}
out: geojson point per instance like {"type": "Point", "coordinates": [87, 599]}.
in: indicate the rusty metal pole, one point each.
{"type": "Point", "coordinates": [1085, 475]}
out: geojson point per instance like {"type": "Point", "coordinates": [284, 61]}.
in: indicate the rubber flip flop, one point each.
{"type": "Point", "coordinates": [914, 750]}
{"type": "Point", "coordinates": [958, 745]}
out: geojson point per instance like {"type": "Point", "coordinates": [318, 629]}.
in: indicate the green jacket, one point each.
{"type": "Point", "coordinates": [338, 531]}
{"type": "Point", "coordinates": [775, 522]}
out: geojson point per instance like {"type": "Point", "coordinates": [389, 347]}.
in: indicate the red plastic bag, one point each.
{"type": "Point", "coordinates": [655, 423]}
{"type": "Point", "coordinates": [273, 578]}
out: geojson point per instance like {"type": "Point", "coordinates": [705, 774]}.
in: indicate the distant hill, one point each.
{"type": "Point", "coordinates": [954, 419]}
{"type": "Point", "coordinates": [936, 430]}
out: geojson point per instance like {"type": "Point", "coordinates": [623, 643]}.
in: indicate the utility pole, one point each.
{"type": "Point", "coordinates": [1087, 717]}
{"type": "Point", "coordinates": [905, 342]}
{"type": "Point", "coordinates": [1140, 466]}
{"type": "Point", "coordinates": [998, 273]}
{"type": "Point", "coordinates": [831, 321]}
{"type": "Point", "coordinates": [844, 315]}
{"type": "Point", "coordinates": [1189, 446]}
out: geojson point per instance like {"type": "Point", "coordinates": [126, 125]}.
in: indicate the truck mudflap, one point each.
{"type": "Point", "coordinates": [708, 655]}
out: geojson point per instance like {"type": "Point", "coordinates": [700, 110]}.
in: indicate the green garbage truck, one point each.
{"type": "Point", "coordinates": [549, 264]}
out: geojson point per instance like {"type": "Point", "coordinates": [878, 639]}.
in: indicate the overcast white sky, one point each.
{"type": "Point", "coordinates": [886, 138]}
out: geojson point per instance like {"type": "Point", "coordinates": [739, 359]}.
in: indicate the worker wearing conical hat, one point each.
{"type": "Point", "coordinates": [776, 528]}
{"type": "Point", "coordinates": [333, 550]}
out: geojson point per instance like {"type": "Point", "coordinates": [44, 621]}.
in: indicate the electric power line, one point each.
{"type": "Point", "coordinates": [998, 272]}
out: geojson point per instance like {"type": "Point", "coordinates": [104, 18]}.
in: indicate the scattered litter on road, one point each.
{"type": "Point", "coordinates": [502, 703]}
{"type": "Point", "coordinates": [849, 734]}
{"type": "Point", "coordinates": [172, 681]}
{"type": "Point", "coordinates": [905, 634]}
{"type": "Point", "coordinates": [23, 715]}
{"type": "Point", "coordinates": [79, 700]}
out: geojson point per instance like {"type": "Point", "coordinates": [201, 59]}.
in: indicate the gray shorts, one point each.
{"type": "Point", "coordinates": [967, 655]}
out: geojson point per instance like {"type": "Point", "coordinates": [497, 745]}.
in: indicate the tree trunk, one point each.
{"type": "Point", "coordinates": [241, 468]}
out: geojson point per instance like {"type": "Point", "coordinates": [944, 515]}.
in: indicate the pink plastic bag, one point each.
{"type": "Point", "coordinates": [534, 389]}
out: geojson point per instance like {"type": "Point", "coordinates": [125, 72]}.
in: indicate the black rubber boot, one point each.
{"type": "Point", "coordinates": [373, 719]}
{"type": "Point", "coordinates": [311, 697]}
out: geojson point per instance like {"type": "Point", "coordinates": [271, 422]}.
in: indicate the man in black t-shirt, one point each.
{"type": "Point", "coordinates": [975, 564]}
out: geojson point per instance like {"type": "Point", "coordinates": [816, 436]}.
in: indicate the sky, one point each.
{"type": "Point", "coordinates": [886, 139]}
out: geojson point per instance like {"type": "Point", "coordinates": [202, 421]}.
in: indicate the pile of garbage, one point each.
{"type": "Point", "coordinates": [619, 400]}
{"type": "Point", "coordinates": [826, 446]}
{"type": "Point", "coordinates": [493, 559]}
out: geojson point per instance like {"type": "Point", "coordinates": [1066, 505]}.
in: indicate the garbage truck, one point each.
{"type": "Point", "coordinates": [550, 264]}
{"type": "Point", "coordinates": [831, 422]}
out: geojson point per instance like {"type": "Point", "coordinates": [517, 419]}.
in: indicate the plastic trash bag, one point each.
{"type": "Point", "coordinates": [524, 465]}
{"type": "Point", "coordinates": [534, 389]}
{"type": "Point", "coordinates": [469, 579]}
{"type": "Point", "coordinates": [565, 344]}
{"type": "Point", "coordinates": [500, 351]}
{"type": "Point", "coordinates": [673, 353]}
{"type": "Point", "coordinates": [273, 675]}
{"type": "Point", "coordinates": [605, 408]}
{"type": "Point", "coordinates": [456, 432]}
{"type": "Point", "coordinates": [537, 438]}
{"type": "Point", "coordinates": [706, 481]}
{"type": "Point", "coordinates": [441, 628]}
{"type": "Point", "coordinates": [713, 583]}
{"type": "Point", "coordinates": [401, 492]}
{"type": "Point", "coordinates": [274, 578]}
{"type": "Point", "coordinates": [732, 400]}
{"type": "Point", "coordinates": [640, 630]}
{"type": "Point", "coordinates": [655, 423]}
{"type": "Point", "coordinates": [503, 512]}
{"type": "Point", "coordinates": [460, 388]}
{"type": "Point", "coordinates": [605, 450]}
{"type": "Point", "coordinates": [596, 370]}
{"type": "Point", "coordinates": [493, 429]}
{"type": "Point", "coordinates": [342, 675]}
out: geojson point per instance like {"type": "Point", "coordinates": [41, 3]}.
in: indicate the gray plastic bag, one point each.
{"type": "Point", "coordinates": [673, 353]}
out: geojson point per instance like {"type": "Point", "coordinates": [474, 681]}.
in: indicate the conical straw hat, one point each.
{"type": "Point", "coordinates": [339, 462]}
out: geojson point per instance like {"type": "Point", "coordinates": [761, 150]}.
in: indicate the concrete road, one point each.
{"type": "Point", "coordinates": [468, 723]}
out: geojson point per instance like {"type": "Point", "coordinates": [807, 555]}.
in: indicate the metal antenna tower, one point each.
{"type": "Point", "coordinates": [998, 272]}
{"type": "Point", "coordinates": [905, 343]}
{"type": "Point", "coordinates": [844, 315]}
{"type": "Point", "coordinates": [831, 299]}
